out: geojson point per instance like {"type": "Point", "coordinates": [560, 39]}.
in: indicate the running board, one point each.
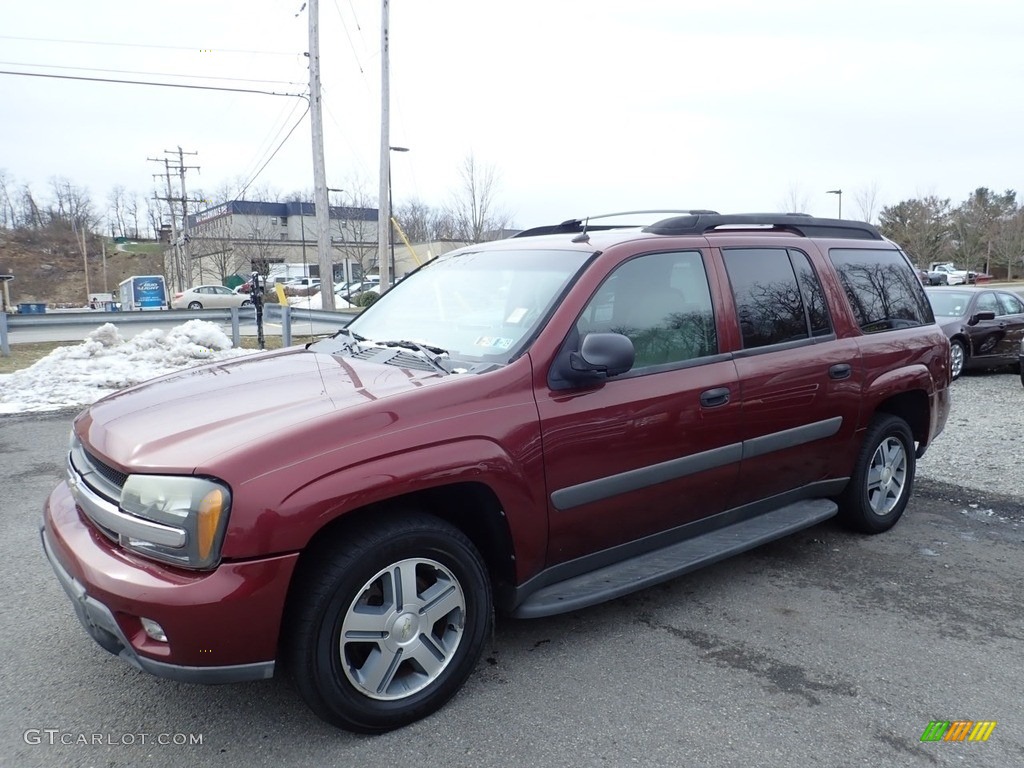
{"type": "Point", "coordinates": [661, 565]}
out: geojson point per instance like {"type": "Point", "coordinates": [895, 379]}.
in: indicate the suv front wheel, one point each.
{"type": "Point", "coordinates": [389, 623]}
{"type": "Point", "coordinates": [880, 487]}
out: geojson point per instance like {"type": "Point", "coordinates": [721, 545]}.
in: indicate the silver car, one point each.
{"type": "Point", "coordinates": [210, 297]}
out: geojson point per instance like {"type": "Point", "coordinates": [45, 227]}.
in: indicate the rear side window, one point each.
{"type": "Point", "coordinates": [778, 296]}
{"type": "Point", "coordinates": [1011, 304]}
{"type": "Point", "coordinates": [884, 292]}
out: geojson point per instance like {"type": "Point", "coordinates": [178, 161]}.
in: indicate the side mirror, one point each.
{"type": "Point", "coordinates": [598, 357]}
{"type": "Point", "coordinates": [977, 317]}
{"type": "Point", "coordinates": [602, 355]}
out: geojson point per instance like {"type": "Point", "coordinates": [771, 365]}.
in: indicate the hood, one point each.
{"type": "Point", "coordinates": [178, 422]}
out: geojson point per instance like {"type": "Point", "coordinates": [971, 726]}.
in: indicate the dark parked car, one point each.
{"type": "Point", "coordinates": [1022, 362]}
{"type": "Point", "coordinates": [985, 327]}
{"type": "Point", "coordinates": [932, 277]}
{"type": "Point", "coordinates": [528, 426]}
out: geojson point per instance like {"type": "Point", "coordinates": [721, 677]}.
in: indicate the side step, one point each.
{"type": "Point", "coordinates": [663, 564]}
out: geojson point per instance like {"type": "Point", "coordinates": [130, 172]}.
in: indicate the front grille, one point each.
{"type": "Point", "coordinates": [111, 475]}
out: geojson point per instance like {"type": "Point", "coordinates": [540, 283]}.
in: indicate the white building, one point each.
{"type": "Point", "coordinates": [233, 237]}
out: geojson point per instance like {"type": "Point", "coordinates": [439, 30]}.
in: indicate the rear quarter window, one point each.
{"type": "Point", "coordinates": [883, 291]}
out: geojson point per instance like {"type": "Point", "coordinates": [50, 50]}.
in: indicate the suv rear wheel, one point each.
{"type": "Point", "coordinates": [389, 624]}
{"type": "Point", "coordinates": [880, 487]}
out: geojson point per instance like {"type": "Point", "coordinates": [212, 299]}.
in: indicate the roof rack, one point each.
{"type": "Point", "coordinates": [574, 226]}
{"type": "Point", "coordinates": [697, 223]}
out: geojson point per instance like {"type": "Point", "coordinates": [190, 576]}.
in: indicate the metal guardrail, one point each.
{"type": "Point", "coordinates": [273, 313]}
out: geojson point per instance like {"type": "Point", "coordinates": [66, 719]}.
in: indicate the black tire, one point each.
{"type": "Point", "coordinates": [341, 585]}
{"type": "Point", "coordinates": [246, 303]}
{"type": "Point", "coordinates": [194, 305]}
{"type": "Point", "coordinates": [882, 481]}
{"type": "Point", "coordinates": [957, 358]}
{"type": "Point", "coordinates": [1022, 373]}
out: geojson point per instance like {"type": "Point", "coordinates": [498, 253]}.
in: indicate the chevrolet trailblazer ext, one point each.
{"type": "Point", "coordinates": [533, 425]}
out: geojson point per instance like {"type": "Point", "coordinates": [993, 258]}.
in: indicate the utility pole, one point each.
{"type": "Point", "coordinates": [184, 213]}
{"type": "Point", "coordinates": [182, 260]}
{"type": "Point", "coordinates": [85, 259]}
{"type": "Point", "coordinates": [176, 277]}
{"type": "Point", "coordinates": [322, 205]}
{"type": "Point", "coordinates": [383, 201]}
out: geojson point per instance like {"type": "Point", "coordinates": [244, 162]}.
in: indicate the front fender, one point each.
{"type": "Point", "coordinates": [288, 527]}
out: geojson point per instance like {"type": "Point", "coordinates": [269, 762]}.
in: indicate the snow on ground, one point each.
{"type": "Point", "coordinates": [76, 376]}
{"type": "Point", "coordinates": [316, 302]}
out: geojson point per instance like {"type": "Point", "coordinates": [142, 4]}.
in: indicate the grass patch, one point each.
{"type": "Point", "coordinates": [274, 342]}
{"type": "Point", "coordinates": [23, 355]}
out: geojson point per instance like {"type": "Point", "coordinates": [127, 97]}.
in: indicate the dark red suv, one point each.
{"type": "Point", "coordinates": [533, 425]}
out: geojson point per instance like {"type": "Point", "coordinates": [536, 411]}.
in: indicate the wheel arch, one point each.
{"type": "Point", "coordinates": [914, 408]}
{"type": "Point", "coordinates": [964, 340]}
{"type": "Point", "coordinates": [472, 507]}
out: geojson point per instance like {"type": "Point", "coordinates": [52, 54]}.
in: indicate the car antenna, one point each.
{"type": "Point", "coordinates": [583, 237]}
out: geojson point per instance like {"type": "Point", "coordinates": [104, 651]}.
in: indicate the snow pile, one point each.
{"type": "Point", "coordinates": [316, 302]}
{"type": "Point", "coordinates": [79, 375]}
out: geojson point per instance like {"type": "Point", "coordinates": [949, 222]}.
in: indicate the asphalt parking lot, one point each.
{"type": "Point", "coordinates": [824, 649]}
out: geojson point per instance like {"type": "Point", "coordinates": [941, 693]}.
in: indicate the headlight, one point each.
{"type": "Point", "coordinates": [193, 510]}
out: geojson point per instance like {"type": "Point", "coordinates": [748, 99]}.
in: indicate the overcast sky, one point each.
{"type": "Point", "coordinates": [582, 107]}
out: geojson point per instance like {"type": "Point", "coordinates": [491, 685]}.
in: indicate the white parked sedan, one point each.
{"type": "Point", "coordinates": [209, 296]}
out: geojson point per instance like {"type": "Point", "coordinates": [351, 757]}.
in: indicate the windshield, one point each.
{"type": "Point", "coordinates": [479, 306]}
{"type": "Point", "coordinates": [949, 303]}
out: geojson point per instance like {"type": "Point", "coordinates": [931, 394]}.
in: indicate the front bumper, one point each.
{"type": "Point", "coordinates": [222, 626]}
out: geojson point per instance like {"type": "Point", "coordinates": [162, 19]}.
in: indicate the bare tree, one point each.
{"type": "Point", "coordinates": [414, 217]}
{"type": "Point", "coordinates": [215, 251]}
{"type": "Point", "coordinates": [116, 211]}
{"type": "Point", "coordinates": [73, 205]}
{"type": "Point", "coordinates": [473, 207]}
{"type": "Point", "coordinates": [259, 246]}
{"type": "Point", "coordinates": [154, 214]}
{"type": "Point", "coordinates": [7, 213]}
{"type": "Point", "coordinates": [131, 211]}
{"type": "Point", "coordinates": [866, 199]}
{"type": "Point", "coordinates": [354, 238]}
{"type": "Point", "coordinates": [29, 216]}
{"type": "Point", "coordinates": [795, 200]}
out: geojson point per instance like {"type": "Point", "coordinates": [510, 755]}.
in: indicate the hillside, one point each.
{"type": "Point", "coordinates": [47, 265]}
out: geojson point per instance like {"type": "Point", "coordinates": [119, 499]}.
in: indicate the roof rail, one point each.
{"type": "Point", "coordinates": [574, 226]}
{"type": "Point", "coordinates": [801, 224]}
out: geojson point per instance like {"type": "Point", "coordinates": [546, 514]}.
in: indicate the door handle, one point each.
{"type": "Point", "coordinates": [840, 371]}
{"type": "Point", "coordinates": [712, 398]}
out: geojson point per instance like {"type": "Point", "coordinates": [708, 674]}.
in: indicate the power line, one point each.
{"type": "Point", "coordinates": [194, 49]}
{"type": "Point", "coordinates": [151, 83]}
{"type": "Point", "coordinates": [347, 35]}
{"type": "Point", "coordinates": [274, 154]}
{"type": "Point", "coordinates": [156, 74]}
{"type": "Point", "coordinates": [268, 142]}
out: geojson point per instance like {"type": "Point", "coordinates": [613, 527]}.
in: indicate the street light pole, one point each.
{"type": "Point", "coordinates": [391, 214]}
{"type": "Point", "coordinates": [383, 202]}
{"type": "Point", "coordinates": [839, 194]}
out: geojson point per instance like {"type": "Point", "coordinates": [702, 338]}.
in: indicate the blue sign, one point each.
{"type": "Point", "coordinates": [149, 292]}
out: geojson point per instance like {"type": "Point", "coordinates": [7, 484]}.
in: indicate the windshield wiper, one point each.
{"type": "Point", "coordinates": [347, 337]}
{"type": "Point", "coordinates": [431, 353]}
